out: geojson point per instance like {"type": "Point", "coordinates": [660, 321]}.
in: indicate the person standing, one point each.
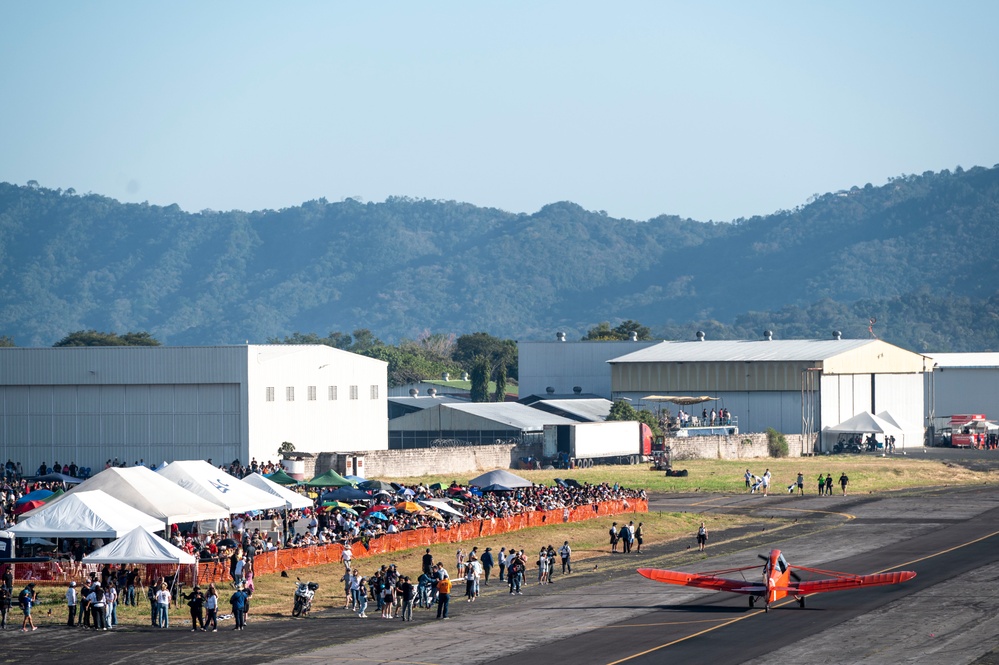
{"type": "Point", "coordinates": [443, 596]}
{"type": "Point", "coordinates": [27, 600]}
{"type": "Point", "coordinates": [5, 606]}
{"type": "Point", "coordinates": [97, 605]}
{"type": "Point", "coordinates": [766, 482]}
{"type": "Point", "coordinates": [428, 562]}
{"type": "Point", "coordinates": [408, 594]}
{"type": "Point", "coordinates": [502, 563]}
{"type": "Point", "coordinates": [238, 601]}
{"type": "Point", "coordinates": [362, 597]}
{"type": "Point", "coordinates": [565, 552]}
{"type": "Point", "coordinates": [843, 481]}
{"type": "Point", "coordinates": [613, 538]}
{"type": "Point", "coordinates": [702, 537]}
{"type": "Point", "coordinates": [625, 536]}
{"type": "Point", "coordinates": [749, 479]}
{"type": "Point", "coordinates": [196, 601]}
{"type": "Point", "coordinates": [70, 605]}
{"type": "Point", "coordinates": [801, 484]}
{"type": "Point", "coordinates": [163, 601]}
{"type": "Point", "coordinates": [829, 484]}
{"type": "Point", "coordinates": [487, 564]}
{"type": "Point", "coordinates": [822, 484]}
{"type": "Point", "coordinates": [515, 572]}
{"type": "Point", "coordinates": [212, 607]}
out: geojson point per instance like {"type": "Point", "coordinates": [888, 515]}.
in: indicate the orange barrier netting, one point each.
{"type": "Point", "coordinates": [303, 557]}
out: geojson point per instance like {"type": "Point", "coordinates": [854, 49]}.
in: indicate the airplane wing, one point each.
{"type": "Point", "coordinates": [704, 580]}
{"type": "Point", "coordinates": [845, 581]}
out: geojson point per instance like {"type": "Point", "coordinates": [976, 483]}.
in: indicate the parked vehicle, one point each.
{"type": "Point", "coordinates": [304, 593]}
{"type": "Point", "coordinates": [585, 444]}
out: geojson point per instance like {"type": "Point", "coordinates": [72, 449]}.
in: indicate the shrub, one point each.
{"type": "Point", "coordinates": [776, 443]}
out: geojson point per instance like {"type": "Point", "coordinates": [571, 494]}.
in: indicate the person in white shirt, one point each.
{"type": "Point", "coordinates": [71, 603]}
{"type": "Point", "coordinates": [346, 557]}
{"type": "Point", "coordinates": [565, 552]}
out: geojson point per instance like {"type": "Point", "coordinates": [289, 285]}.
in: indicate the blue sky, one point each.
{"type": "Point", "coordinates": [709, 110]}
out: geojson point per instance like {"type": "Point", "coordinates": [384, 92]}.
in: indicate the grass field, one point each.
{"type": "Point", "coordinates": [588, 539]}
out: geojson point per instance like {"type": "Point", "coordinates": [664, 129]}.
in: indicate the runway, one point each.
{"type": "Point", "coordinates": [611, 615]}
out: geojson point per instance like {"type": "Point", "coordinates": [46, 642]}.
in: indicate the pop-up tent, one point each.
{"type": "Point", "coordinates": [292, 500]}
{"type": "Point", "coordinates": [281, 478]}
{"type": "Point", "coordinates": [93, 514]}
{"type": "Point", "coordinates": [329, 479]}
{"type": "Point", "coordinates": [150, 493]}
{"type": "Point", "coordinates": [140, 545]}
{"type": "Point", "coordinates": [500, 477]}
{"type": "Point", "coordinates": [862, 423]}
{"type": "Point", "coordinates": [218, 487]}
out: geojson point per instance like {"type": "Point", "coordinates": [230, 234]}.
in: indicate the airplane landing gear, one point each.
{"type": "Point", "coordinates": [801, 601]}
{"type": "Point", "coordinates": [752, 602]}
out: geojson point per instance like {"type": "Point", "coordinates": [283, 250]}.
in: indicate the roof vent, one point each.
{"type": "Point", "coordinates": [560, 336]}
{"type": "Point", "coordinates": [700, 335]}
{"type": "Point", "coordinates": [577, 389]}
{"type": "Point", "coordinates": [837, 334]}
{"type": "Point", "coordinates": [413, 392]}
{"type": "Point", "coordinates": [432, 392]}
{"type": "Point", "coordinates": [768, 335]}
{"type": "Point", "coordinates": [445, 376]}
{"type": "Point", "coordinates": [633, 335]}
{"type": "Point", "coordinates": [550, 390]}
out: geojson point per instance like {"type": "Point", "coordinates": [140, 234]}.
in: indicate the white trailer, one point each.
{"type": "Point", "coordinates": [586, 444]}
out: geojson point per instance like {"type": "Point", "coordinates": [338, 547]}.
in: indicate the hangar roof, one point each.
{"type": "Point", "coordinates": [970, 360]}
{"type": "Point", "coordinates": [744, 350]}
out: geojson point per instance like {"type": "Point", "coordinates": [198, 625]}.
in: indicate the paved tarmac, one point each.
{"type": "Point", "coordinates": [612, 615]}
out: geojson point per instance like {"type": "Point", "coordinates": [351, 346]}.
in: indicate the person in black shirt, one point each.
{"type": "Point", "coordinates": [428, 562]}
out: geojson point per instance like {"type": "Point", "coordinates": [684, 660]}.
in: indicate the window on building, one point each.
{"type": "Point", "coordinates": [289, 394]}
{"type": "Point", "coordinates": [353, 392]}
{"type": "Point", "coordinates": [374, 392]}
{"type": "Point", "coordinates": [270, 394]}
{"type": "Point", "coordinates": [332, 393]}
{"type": "Point", "coordinates": [312, 393]}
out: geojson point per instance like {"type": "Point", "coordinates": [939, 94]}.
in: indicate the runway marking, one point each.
{"type": "Point", "coordinates": [786, 602]}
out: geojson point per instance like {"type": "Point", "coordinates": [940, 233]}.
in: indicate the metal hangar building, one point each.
{"type": "Point", "coordinates": [91, 404]}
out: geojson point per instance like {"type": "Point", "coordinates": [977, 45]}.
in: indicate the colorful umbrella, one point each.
{"type": "Point", "coordinates": [408, 507]}
{"type": "Point", "coordinates": [434, 515]}
{"type": "Point", "coordinates": [377, 516]}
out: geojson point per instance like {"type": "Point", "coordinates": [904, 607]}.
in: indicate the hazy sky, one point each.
{"type": "Point", "coordinates": [712, 110]}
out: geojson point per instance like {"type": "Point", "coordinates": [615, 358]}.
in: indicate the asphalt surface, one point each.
{"type": "Point", "coordinates": [612, 615]}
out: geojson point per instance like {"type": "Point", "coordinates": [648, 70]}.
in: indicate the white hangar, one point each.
{"type": "Point", "coordinates": [563, 366]}
{"type": "Point", "coordinates": [793, 386]}
{"type": "Point", "coordinates": [964, 383]}
{"type": "Point", "coordinates": [90, 404]}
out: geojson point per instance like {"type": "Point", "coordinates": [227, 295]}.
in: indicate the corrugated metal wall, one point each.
{"type": "Point", "coordinates": [708, 377]}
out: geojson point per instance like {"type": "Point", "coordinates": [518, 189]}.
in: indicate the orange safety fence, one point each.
{"type": "Point", "coordinates": [54, 572]}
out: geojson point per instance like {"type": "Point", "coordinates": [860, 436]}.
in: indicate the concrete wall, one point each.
{"type": "Point", "coordinates": [740, 446]}
{"type": "Point", "coordinates": [426, 461]}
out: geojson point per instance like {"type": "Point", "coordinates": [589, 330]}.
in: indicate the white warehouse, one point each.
{"type": "Point", "coordinates": [86, 405]}
{"type": "Point", "coordinates": [790, 385]}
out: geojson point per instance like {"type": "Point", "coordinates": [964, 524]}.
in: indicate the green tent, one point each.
{"type": "Point", "coordinates": [329, 479]}
{"type": "Point", "coordinates": [281, 478]}
{"type": "Point", "coordinates": [57, 493]}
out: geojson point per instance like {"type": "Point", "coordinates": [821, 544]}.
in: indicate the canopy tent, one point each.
{"type": "Point", "coordinates": [140, 545]}
{"type": "Point", "coordinates": [150, 493]}
{"type": "Point", "coordinates": [218, 487]}
{"type": "Point", "coordinates": [92, 514]}
{"type": "Point", "coordinates": [37, 495]}
{"type": "Point", "coordinates": [376, 485]}
{"type": "Point", "coordinates": [57, 478]}
{"type": "Point", "coordinates": [864, 423]}
{"type": "Point", "coordinates": [346, 494]}
{"type": "Point", "coordinates": [679, 400]}
{"type": "Point", "coordinates": [500, 477]}
{"type": "Point", "coordinates": [55, 495]}
{"type": "Point", "coordinates": [292, 500]}
{"type": "Point", "coordinates": [281, 478]}
{"type": "Point", "coordinates": [441, 506]}
{"type": "Point", "coordinates": [329, 479]}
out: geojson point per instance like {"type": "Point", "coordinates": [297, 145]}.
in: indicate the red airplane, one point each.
{"type": "Point", "coordinates": [777, 580]}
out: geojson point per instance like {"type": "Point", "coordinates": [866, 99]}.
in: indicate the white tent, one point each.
{"type": "Point", "coordinates": [864, 423]}
{"type": "Point", "coordinates": [500, 477]}
{"type": "Point", "coordinates": [88, 514]}
{"type": "Point", "coordinates": [140, 546]}
{"type": "Point", "coordinates": [441, 505]}
{"type": "Point", "coordinates": [293, 500]}
{"type": "Point", "coordinates": [147, 492]}
{"type": "Point", "coordinates": [219, 487]}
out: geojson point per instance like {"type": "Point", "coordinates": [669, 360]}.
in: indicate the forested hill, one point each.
{"type": "Point", "coordinates": [919, 254]}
